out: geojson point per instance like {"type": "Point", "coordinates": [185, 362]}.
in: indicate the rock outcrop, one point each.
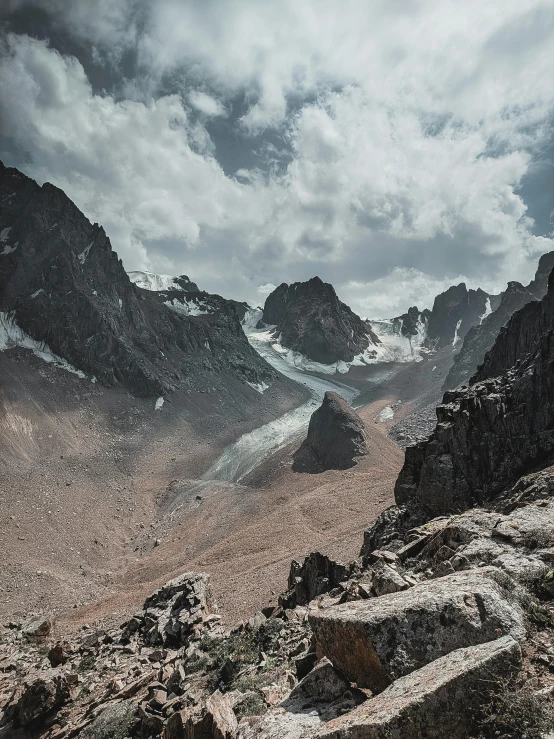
{"type": "Point", "coordinates": [412, 322]}
{"type": "Point", "coordinates": [376, 641]}
{"type": "Point", "coordinates": [454, 312]}
{"type": "Point", "coordinates": [480, 338]}
{"type": "Point", "coordinates": [61, 283]}
{"type": "Point", "coordinates": [440, 699]}
{"type": "Point", "coordinates": [311, 320]}
{"type": "Point", "coordinates": [175, 612]}
{"type": "Point", "coordinates": [336, 438]}
{"type": "Point", "coordinates": [497, 430]}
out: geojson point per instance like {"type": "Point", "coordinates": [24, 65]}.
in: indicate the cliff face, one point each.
{"type": "Point", "coordinates": [310, 319]}
{"type": "Point", "coordinates": [63, 285]}
{"type": "Point", "coordinates": [497, 430]}
{"type": "Point", "coordinates": [481, 337]}
{"type": "Point", "coordinates": [454, 312]}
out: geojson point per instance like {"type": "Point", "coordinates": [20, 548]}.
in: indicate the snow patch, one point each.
{"type": "Point", "coordinates": [488, 311]}
{"type": "Point", "coordinates": [159, 404]}
{"type": "Point", "coordinates": [188, 307]}
{"type": "Point", "coordinates": [11, 336]}
{"type": "Point", "coordinates": [261, 387]}
{"type": "Point", "coordinates": [82, 257]}
{"type": "Point", "coordinates": [387, 414]}
{"type": "Point", "coordinates": [4, 233]}
{"type": "Point", "coordinates": [120, 303]}
{"type": "Point", "coordinates": [8, 249]}
{"type": "Point", "coordinates": [37, 293]}
{"type": "Point", "coordinates": [394, 346]}
{"type": "Point", "coordinates": [156, 283]}
{"type": "Point", "coordinates": [456, 337]}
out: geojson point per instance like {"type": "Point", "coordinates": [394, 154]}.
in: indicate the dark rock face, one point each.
{"type": "Point", "coordinates": [63, 285]}
{"type": "Point", "coordinates": [499, 429]}
{"type": "Point", "coordinates": [481, 337]}
{"type": "Point", "coordinates": [175, 611]}
{"type": "Point", "coordinates": [409, 323]}
{"type": "Point", "coordinates": [454, 312]}
{"type": "Point", "coordinates": [310, 319]}
{"type": "Point", "coordinates": [336, 438]}
{"type": "Point", "coordinates": [316, 575]}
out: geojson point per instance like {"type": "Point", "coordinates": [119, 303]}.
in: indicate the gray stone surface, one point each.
{"type": "Point", "coordinates": [376, 641]}
{"type": "Point", "coordinates": [438, 700]}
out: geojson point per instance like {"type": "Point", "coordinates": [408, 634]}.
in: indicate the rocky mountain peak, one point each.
{"type": "Point", "coordinates": [63, 285]}
{"type": "Point", "coordinates": [310, 319]}
{"type": "Point", "coordinates": [480, 338]}
{"type": "Point", "coordinates": [336, 437]}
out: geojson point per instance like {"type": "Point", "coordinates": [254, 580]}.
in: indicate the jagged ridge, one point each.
{"type": "Point", "coordinates": [65, 286]}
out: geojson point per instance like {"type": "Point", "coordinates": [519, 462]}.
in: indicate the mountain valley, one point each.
{"type": "Point", "coordinates": [153, 433]}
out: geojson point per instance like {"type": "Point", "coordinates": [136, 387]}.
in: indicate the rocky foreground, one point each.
{"type": "Point", "coordinates": [448, 628]}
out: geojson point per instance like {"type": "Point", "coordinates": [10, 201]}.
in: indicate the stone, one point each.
{"type": "Point", "coordinates": [374, 642]}
{"type": "Point", "coordinates": [336, 438]}
{"type": "Point", "coordinates": [316, 575]}
{"type": "Point", "coordinates": [38, 628]}
{"type": "Point", "coordinates": [322, 684]}
{"type": "Point", "coordinates": [387, 580]}
{"type": "Point", "coordinates": [37, 696]}
{"type": "Point", "coordinates": [216, 720]}
{"type": "Point", "coordinates": [59, 654]}
{"type": "Point", "coordinates": [439, 699]}
{"type": "Point", "coordinates": [174, 612]}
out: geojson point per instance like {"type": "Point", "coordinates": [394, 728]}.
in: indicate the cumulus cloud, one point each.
{"type": "Point", "coordinates": [410, 126]}
{"type": "Point", "coordinates": [206, 104]}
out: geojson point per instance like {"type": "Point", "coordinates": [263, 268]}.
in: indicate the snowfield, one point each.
{"type": "Point", "coordinates": [188, 307]}
{"type": "Point", "coordinates": [11, 335]}
{"type": "Point", "coordinates": [151, 281]}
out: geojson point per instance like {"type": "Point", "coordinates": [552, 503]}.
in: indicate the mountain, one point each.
{"type": "Point", "coordinates": [184, 296]}
{"type": "Point", "coordinates": [62, 284]}
{"type": "Point", "coordinates": [480, 338]}
{"type": "Point", "coordinates": [151, 281]}
{"type": "Point", "coordinates": [309, 318]}
{"type": "Point", "coordinates": [413, 322]}
{"type": "Point", "coordinates": [495, 431]}
{"type": "Point", "coordinates": [455, 311]}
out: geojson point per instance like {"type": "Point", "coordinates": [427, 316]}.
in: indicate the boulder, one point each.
{"type": "Point", "coordinates": [440, 699]}
{"type": "Point", "coordinates": [175, 612]}
{"type": "Point", "coordinates": [336, 438]}
{"type": "Point", "coordinates": [376, 641]}
{"type": "Point", "coordinates": [216, 720]}
{"type": "Point", "coordinates": [37, 695]}
{"type": "Point", "coordinates": [387, 580]}
{"type": "Point", "coordinates": [37, 628]}
{"type": "Point", "coordinates": [316, 575]}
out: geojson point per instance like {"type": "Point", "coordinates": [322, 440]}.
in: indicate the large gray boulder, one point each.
{"type": "Point", "coordinates": [440, 699]}
{"type": "Point", "coordinates": [336, 438]}
{"type": "Point", "coordinates": [376, 641]}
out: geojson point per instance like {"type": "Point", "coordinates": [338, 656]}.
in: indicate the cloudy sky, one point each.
{"type": "Point", "coordinates": [392, 148]}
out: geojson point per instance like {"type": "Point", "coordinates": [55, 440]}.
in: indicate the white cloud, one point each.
{"type": "Point", "coordinates": [392, 191]}
{"type": "Point", "coordinates": [206, 104]}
